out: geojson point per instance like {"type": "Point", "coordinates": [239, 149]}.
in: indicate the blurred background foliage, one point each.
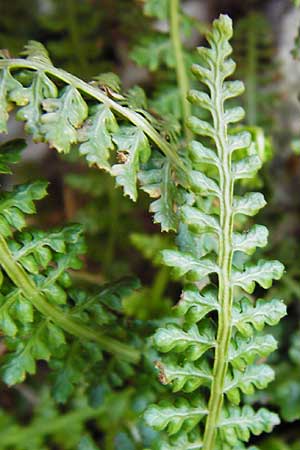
{"type": "Point", "coordinates": [89, 37]}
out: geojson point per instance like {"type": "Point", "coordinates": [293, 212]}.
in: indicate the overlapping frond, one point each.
{"type": "Point", "coordinates": [87, 116]}
{"type": "Point", "coordinates": [40, 311]}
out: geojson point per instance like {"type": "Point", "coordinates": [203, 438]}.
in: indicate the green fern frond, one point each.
{"type": "Point", "coordinates": [218, 320]}
{"type": "Point", "coordinates": [36, 52]}
{"type": "Point", "coordinates": [156, 178]}
{"type": "Point", "coordinates": [68, 116]}
{"type": "Point", "coordinates": [37, 311]}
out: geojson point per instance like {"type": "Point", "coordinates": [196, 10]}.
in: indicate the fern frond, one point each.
{"type": "Point", "coordinates": [256, 376]}
{"type": "Point", "coordinates": [157, 8]}
{"type": "Point", "coordinates": [173, 417]}
{"type": "Point", "coordinates": [36, 52]}
{"type": "Point", "coordinates": [186, 377]}
{"type": "Point", "coordinates": [248, 317]}
{"type": "Point", "coordinates": [218, 320]}
{"type": "Point", "coordinates": [154, 51]}
{"type": "Point", "coordinates": [67, 116]}
{"type": "Point", "coordinates": [10, 153]}
{"type": "Point", "coordinates": [63, 116]}
{"type": "Point", "coordinates": [35, 326]}
{"type": "Point", "coordinates": [96, 136]}
{"type": "Point", "coordinates": [37, 312]}
{"type": "Point", "coordinates": [237, 424]}
{"type": "Point", "coordinates": [134, 147]}
{"type": "Point", "coordinates": [156, 178]}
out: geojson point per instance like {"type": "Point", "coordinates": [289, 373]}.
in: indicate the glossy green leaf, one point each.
{"type": "Point", "coordinates": [195, 341]}
{"type": "Point", "coordinates": [195, 305]}
{"type": "Point", "coordinates": [256, 376]}
{"type": "Point", "coordinates": [182, 441]}
{"type": "Point", "coordinates": [7, 324]}
{"type": "Point", "coordinates": [247, 242]}
{"type": "Point", "coordinates": [31, 100]}
{"type": "Point", "coordinates": [185, 264]}
{"type": "Point", "coordinates": [201, 154]}
{"type": "Point", "coordinates": [134, 147]}
{"type": "Point", "coordinates": [154, 51]}
{"type": "Point", "coordinates": [156, 179]}
{"type": "Point", "coordinates": [263, 273]}
{"type": "Point", "coordinates": [23, 361]}
{"type": "Point", "coordinates": [237, 424]}
{"type": "Point", "coordinates": [183, 413]}
{"type": "Point", "coordinates": [246, 167]}
{"type": "Point", "coordinates": [249, 204]}
{"type": "Point", "coordinates": [186, 377]}
{"type": "Point", "coordinates": [64, 115]}
{"type": "Point", "coordinates": [7, 84]}
{"type": "Point", "coordinates": [13, 205]}
{"type": "Point", "coordinates": [10, 153]}
{"type": "Point", "coordinates": [199, 221]}
{"type": "Point", "coordinates": [14, 309]}
{"type": "Point", "coordinates": [96, 136]}
{"type": "Point", "coordinates": [248, 317]}
{"type": "Point", "coordinates": [245, 351]}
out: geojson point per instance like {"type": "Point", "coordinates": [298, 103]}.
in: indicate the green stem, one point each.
{"type": "Point", "coordinates": [159, 285]}
{"type": "Point", "coordinates": [96, 93]}
{"type": "Point", "coordinates": [14, 435]}
{"type": "Point", "coordinates": [225, 293]}
{"type": "Point", "coordinates": [181, 73]}
{"type": "Point", "coordinates": [251, 79]}
{"type": "Point", "coordinates": [22, 280]}
{"type": "Point", "coordinates": [75, 36]}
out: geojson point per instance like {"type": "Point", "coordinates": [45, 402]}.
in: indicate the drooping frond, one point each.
{"type": "Point", "coordinates": [109, 131]}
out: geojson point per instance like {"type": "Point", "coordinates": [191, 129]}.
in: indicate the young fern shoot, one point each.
{"type": "Point", "coordinates": [215, 347]}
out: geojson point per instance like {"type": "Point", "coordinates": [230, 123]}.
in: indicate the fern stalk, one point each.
{"type": "Point", "coordinates": [251, 78]}
{"type": "Point", "coordinates": [74, 32]}
{"type": "Point", "coordinates": [13, 436]}
{"type": "Point", "coordinates": [225, 295]}
{"type": "Point", "coordinates": [182, 77]}
{"type": "Point", "coordinates": [96, 93]}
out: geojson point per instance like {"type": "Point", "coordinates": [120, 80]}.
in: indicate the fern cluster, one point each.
{"type": "Point", "coordinates": [210, 354]}
{"type": "Point", "coordinates": [40, 307]}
